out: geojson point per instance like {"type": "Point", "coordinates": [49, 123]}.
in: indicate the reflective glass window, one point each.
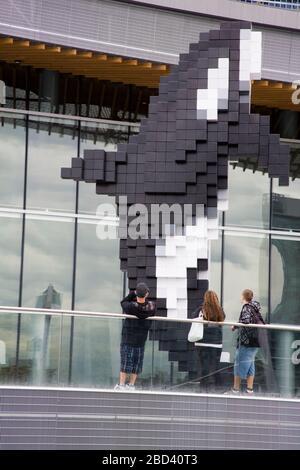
{"type": "Point", "coordinates": [215, 265]}
{"type": "Point", "coordinates": [8, 347]}
{"type": "Point", "coordinates": [95, 136]}
{"type": "Point", "coordinates": [51, 145]}
{"type": "Point", "coordinates": [39, 353]}
{"type": "Point", "coordinates": [48, 263]}
{"type": "Point", "coordinates": [249, 198]}
{"type": "Point", "coordinates": [245, 267]}
{"type": "Point", "coordinates": [285, 309]}
{"type": "Point", "coordinates": [286, 205]}
{"type": "Point", "coordinates": [96, 352]}
{"type": "Point", "coordinates": [10, 255]}
{"type": "Point", "coordinates": [285, 280]}
{"type": "Point", "coordinates": [12, 160]}
{"type": "Point", "coordinates": [98, 276]}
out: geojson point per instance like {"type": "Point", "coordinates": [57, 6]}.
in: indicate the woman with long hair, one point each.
{"type": "Point", "coordinates": [210, 346]}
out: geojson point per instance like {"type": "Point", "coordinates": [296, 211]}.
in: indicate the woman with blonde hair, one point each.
{"type": "Point", "coordinates": [210, 346]}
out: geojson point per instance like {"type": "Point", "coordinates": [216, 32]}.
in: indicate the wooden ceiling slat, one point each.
{"type": "Point", "coordinates": [54, 49]}
{"type": "Point", "coordinates": [69, 52]}
{"type": "Point", "coordinates": [115, 60]}
{"type": "Point", "coordinates": [21, 43]}
{"type": "Point", "coordinates": [120, 69]}
{"type": "Point", "coordinates": [85, 54]}
{"type": "Point", "coordinates": [130, 62]}
{"type": "Point", "coordinates": [39, 47]}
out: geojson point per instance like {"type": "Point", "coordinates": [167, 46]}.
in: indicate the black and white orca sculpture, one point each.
{"type": "Point", "coordinates": [198, 123]}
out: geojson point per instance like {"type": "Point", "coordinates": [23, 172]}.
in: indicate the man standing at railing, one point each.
{"type": "Point", "coordinates": [134, 335]}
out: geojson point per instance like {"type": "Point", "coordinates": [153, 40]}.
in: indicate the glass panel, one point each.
{"type": "Point", "coordinates": [286, 205]}
{"type": "Point", "coordinates": [98, 136]}
{"type": "Point", "coordinates": [285, 280]}
{"type": "Point", "coordinates": [172, 356]}
{"type": "Point", "coordinates": [8, 345]}
{"type": "Point", "coordinates": [276, 359]}
{"type": "Point", "coordinates": [39, 356]}
{"type": "Point", "coordinates": [12, 160]}
{"type": "Point", "coordinates": [65, 345]}
{"type": "Point", "coordinates": [96, 352]}
{"type": "Point", "coordinates": [249, 198]}
{"type": "Point", "coordinates": [98, 276]}
{"type": "Point", "coordinates": [245, 267]}
{"type": "Point", "coordinates": [216, 264]}
{"type": "Point", "coordinates": [10, 254]}
{"type": "Point", "coordinates": [170, 361]}
{"type": "Point", "coordinates": [48, 263]}
{"type": "Point", "coordinates": [51, 145]}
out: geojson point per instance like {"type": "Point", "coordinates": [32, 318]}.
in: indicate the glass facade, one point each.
{"type": "Point", "coordinates": [51, 258]}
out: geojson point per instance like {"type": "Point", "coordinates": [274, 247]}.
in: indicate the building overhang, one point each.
{"type": "Point", "coordinates": [126, 70]}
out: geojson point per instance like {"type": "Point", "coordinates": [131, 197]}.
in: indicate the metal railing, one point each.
{"type": "Point", "coordinates": [94, 314]}
{"type": "Point", "coordinates": [67, 117]}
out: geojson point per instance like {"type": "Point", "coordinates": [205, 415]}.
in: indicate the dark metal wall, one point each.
{"type": "Point", "coordinates": [69, 419]}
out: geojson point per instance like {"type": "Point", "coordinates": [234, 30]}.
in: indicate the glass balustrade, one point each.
{"type": "Point", "coordinates": [48, 349]}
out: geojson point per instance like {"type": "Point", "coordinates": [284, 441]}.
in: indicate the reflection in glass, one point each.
{"type": "Point", "coordinates": [286, 205]}
{"type": "Point", "coordinates": [249, 198]}
{"type": "Point", "coordinates": [98, 275]}
{"type": "Point", "coordinates": [10, 254]}
{"type": "Point", "coordinates": [39, 356]}
{"type": "Point", "coordinates": [48, 260]}
{"type": "Point", "coordinates": [169, 346]}
{"type": "Point", "coordinates": [98, 136]}
{"type": "Point", "coordinates": [51, 145]}
{"type": "Point", "coordinates": [285, 280]}
{"type": "Point", "coordinates": [285, 309]}
{"type": "Point", "coordinates": [245, 267]}
{"type": "Point", "coordinates": [215, 265]}
{"type": "Point", "coordinates": [12, 161]}
{"type": "Point", "coordinates": [96, 356]}
{"type": "Point", "coordinates": [8, 345]}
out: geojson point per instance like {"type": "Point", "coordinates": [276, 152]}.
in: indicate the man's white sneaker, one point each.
{"type": "Point", "coordinates": [130, 387]}
{"type": "Point", "coordinates": [119, 388]}
{"type": "Point", "coordinates": [232, 391]}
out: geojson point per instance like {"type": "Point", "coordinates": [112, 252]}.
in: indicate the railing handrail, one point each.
{"type": "Point", "coordinates": [91, 314]}
{"type": "Point", "coordinates": [68, 117]}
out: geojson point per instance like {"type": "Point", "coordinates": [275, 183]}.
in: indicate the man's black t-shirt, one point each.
{"type": "Point", "coordinates": [135, 332]}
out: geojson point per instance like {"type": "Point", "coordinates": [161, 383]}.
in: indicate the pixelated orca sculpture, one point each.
{"type": "Point", "coordinates": [199, 122]}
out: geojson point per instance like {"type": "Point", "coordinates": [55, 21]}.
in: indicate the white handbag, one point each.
{"type": "Point", "coordinates": [196, 331]}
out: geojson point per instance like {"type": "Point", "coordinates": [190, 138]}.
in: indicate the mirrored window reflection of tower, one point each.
{"type": "Point", "coordinates": [43, 346]}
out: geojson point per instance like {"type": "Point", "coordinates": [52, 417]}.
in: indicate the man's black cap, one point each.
{"type": "Point", "coordinates": [141, 289]}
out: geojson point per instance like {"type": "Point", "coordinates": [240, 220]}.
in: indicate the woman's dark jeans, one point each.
{"type": "Point", "coordinates": [209, 365]}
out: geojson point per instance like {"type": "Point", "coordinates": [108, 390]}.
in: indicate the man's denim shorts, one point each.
{"type": "Point", "coordinates": [244, 364]}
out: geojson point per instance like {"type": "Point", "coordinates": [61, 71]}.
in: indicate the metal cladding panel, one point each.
{"type": "Point", "coordinates": [135, 31]}
{"type": "Point", "coordinates": [81, 419]}
{"type": "Point", "coordinates": [281, 55]}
